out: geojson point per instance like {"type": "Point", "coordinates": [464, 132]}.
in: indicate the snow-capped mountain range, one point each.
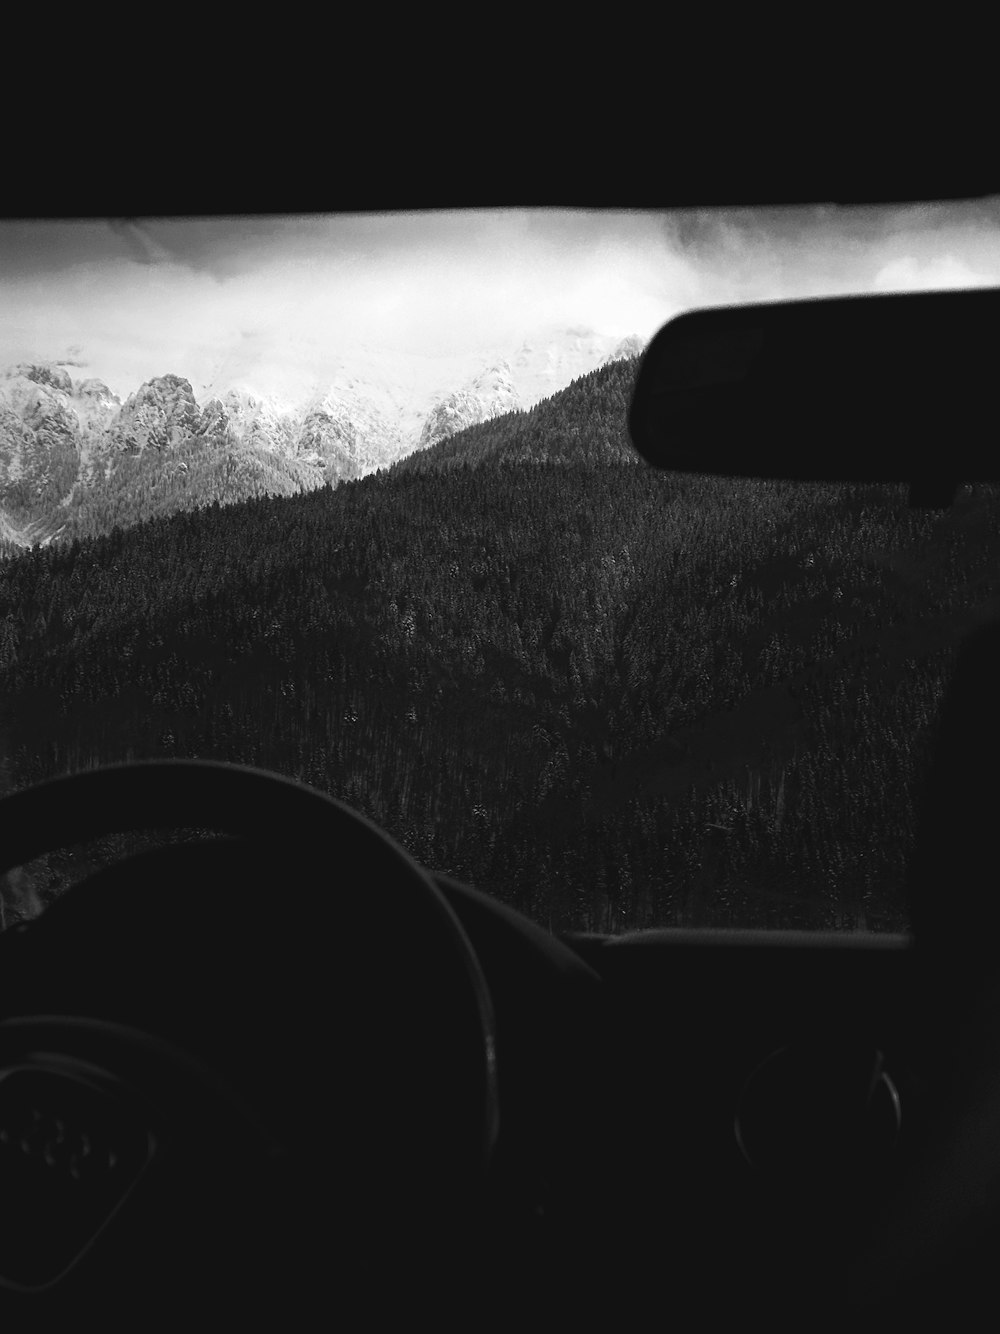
{"type": "Point", "coordinates": [66, 443]}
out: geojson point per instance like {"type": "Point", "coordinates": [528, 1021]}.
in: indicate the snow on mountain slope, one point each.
{"type": "Point", "coordinates": [318, 415]}
{"type": "Point", "coordinates": [161, 413]}
{"type": "Point", "coordinates": [402, 386]}
{"type": "Point", "coordinates": [489, 394]}
{"type": "Point", "coordinates": [39, 442]}
{"type": "Point", "coordinates": [631, 346]}
{"type": "Point", "coordinates": [552, 358]}
{"type": "Point", "coordinates": [294, 373]}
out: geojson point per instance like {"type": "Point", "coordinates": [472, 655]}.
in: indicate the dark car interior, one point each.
{"type": "Point", "coordinates": [393, 1095]}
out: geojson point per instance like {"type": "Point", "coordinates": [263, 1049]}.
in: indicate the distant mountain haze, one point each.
{"type": "Point", "coordinates": [75, 459]}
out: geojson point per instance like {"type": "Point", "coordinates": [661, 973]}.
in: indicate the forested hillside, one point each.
{"type": "Point", "coordinates": [611, 697]}
{"type": "Point", "coordinates": [585, 424]}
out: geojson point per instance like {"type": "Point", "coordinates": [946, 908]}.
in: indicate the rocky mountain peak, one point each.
{"type": "Point", "coordinates": [490, 393]}
{"type": "Point", "coordinates": [43, 373]}
{"type": "Point", "coordinates": [496, 381]}
{"type": "Point", "coordinates": [97, 391]}
{"type": "Point", "coordinates": [631, 346]}
{"type": "Point", "coordinates": [162, 412]}
{"type": "Point", "coordinates": [166, 389]}
{"type": "Point", "coordinates": [213, 419]}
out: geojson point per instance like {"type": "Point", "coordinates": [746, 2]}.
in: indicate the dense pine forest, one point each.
{"type": "Point", "coordinates": [611, 697]}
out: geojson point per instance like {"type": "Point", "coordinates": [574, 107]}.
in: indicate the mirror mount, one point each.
{"type": "Point", "coordinates": [932, 493]}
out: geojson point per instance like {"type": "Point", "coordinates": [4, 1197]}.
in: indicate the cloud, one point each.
{"type": "Point", "coordinates": [135, 298]}
{"type": "Point", "coordinates": [789, 253]}
{"type": "Point", "coordinates": [142, 247]}
{"type": "Point", "coordinates": [909, 274]}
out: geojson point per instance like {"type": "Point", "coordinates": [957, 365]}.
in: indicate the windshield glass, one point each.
{"type": "Point", "coordinates": [352, 499]}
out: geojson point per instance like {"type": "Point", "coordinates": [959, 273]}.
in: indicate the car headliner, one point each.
{"type": "Point", "coordinates": [569, 140]}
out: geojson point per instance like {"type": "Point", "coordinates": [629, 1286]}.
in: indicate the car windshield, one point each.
{"type": "Point", "coordinates": [352, 498]}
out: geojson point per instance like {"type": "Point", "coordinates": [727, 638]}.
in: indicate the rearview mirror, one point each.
{"type": "Point", "coordinates": [898, 388]}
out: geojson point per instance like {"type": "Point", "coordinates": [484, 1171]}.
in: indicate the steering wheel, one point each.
{"type": "Point", "coordinates": [250, 1070]}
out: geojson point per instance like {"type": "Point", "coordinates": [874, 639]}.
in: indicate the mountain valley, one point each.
{"type": "Point", "coordinates": [609, 696]}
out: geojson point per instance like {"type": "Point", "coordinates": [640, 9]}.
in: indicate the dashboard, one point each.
{"type": "Point", "coordinates": [404, 1092]}
{"type": "Point", "coordinates": [721, 1112]}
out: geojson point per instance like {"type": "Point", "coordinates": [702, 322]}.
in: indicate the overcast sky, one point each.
{"type": "Point", "coordinates": [125, 300]}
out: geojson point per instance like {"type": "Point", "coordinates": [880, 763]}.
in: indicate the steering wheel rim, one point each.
{"type": "Point", "coordinates": [235, 800]}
